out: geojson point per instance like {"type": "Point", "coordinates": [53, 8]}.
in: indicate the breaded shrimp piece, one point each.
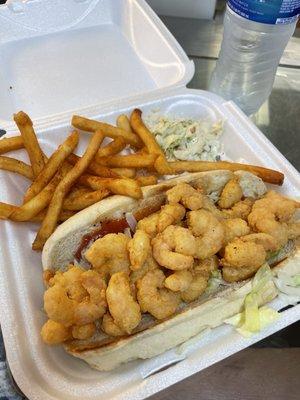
{"type": "Point", "coordinates": [83, 331]}
{"type": "Point", "coordinates": [268, 242]}
{"type": "Point", "coordinates": [206, 267]}
{"type": "Point", "coordinates": [197, 287]}
{"type": "Point", "coordinates": [241, 209]}
{"type": "Point", "coordinates": [55, 333]}
{"type": "Point", "coordinates": [149, 265]}
{"type": "Point", "coordinates": [293, 230]}
{"type": "Point", "coordinates": [154, 298]}
{"type": "Point", "coordinates": [170, 214]}
{"type": "Point", "coordinates": [139, 247]}
{"type": "Point", "coordinates": [234, 228]}
{"type": "Point", "coordinates": [186, 195]}
{"type": "Point", "coordinates": [209, 233]}
{"type": "Point", "coordinates": [77, 297]}
{"type": "Point", "coordinates": [242, 259]}
{"type": "Point", "coordinates": [124, 310]}
{"type": "Point", "coordinates": [231, 194]}
{"type": "Point", "coordinates": [149, 224]}
{"type": "Point", "coordinates": [174, 248]}
{"type": "Point", "coordinates": [110, 327]}
{"type": "Point", "coordinates": [179, 281]}
{"type": "Point", "coordinates": [271, 215]}
{"type": "Point", "coordinates": [109, 254]}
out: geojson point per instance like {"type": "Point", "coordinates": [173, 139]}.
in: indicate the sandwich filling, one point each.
{"type": "Point", "coordinates": [153, 262]}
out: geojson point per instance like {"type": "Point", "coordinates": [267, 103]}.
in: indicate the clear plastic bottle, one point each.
{"type": "Point", "coordinates": [255, 36]}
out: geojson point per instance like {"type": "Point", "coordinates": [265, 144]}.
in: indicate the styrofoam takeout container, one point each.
{"type": "Point", "coordinates": [100, 59]}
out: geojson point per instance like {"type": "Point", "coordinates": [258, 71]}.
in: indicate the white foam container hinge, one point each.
{"type": "Point", "coordinates": [100, 59]}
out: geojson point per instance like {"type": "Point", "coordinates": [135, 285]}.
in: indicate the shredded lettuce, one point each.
{"type": "Point", "coordinates": [288, 282]}
{"type": "Point", "coordinates": [266, 316]}
{"type": "Point", "coordinates": [253, 319]}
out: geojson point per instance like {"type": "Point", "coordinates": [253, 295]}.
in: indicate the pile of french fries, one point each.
{"type": "Point", "coordinates": [67, 183]}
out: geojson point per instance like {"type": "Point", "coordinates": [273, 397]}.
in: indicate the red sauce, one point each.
{"type": "Point", "coordinates": [111, 226]}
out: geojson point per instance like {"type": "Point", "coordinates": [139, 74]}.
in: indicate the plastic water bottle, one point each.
{"type": "Point", "coordinates": [256, 33]}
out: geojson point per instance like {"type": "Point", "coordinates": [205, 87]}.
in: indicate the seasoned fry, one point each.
{"type": "Point", "coordinates": [6, 210]}
{"type": "Point", "coordinates": [123, 123]}
{"type": "Point", "coordinates": [63, 216]}
{"type": "Point", "coordinates": [10, 144]}
{"type": "Point", "coordinates": [267, 175]}
{"type": "Point", "coordinates": [31, 143]}
{"type": "Point", "coordinates": [90, 125]}
{"type": "Point", "coordinates": [147, 180]}
{"type": "Point", "coordinates": [123, 186]}
{"type": "Point", "coordinates": [128, 161]}
{"type": "Point", "coordinates": [17, 166]}
{"type": "Point", "coordinates": [114, 147]}
{"type": "Point", "coordinates": [30, 209]}
{"type": "Point", "coordinates": [84, 200]}
{"type": "Point", "coordinates": [53, 164]}
{"type": "Point", "coordinates": [95, 168]}
{"type": "Point", "coordinates": [161, 165]}
{"type": "Point", "coordinates": [124, 172]}
{"type": "Point", "coordinates": [50, 222]}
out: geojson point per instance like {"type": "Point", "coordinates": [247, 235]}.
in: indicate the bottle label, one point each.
{"type": "Point", "coordinates": [267, 11]}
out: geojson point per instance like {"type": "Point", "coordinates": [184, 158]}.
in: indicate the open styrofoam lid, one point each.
{"type": "Point", "coordinates": [64, 56]}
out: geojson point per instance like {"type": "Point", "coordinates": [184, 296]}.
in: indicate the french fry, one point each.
{"type": "Point", "coordinates": [6, 210]}
{"type": "Point", "coordinates": [124, 172]}
{"type": "Point", "coordinates": [52, 166]}
{"type": "Point", "coordinates": [10, 144]}
{"type": "Point", "coordinates": [147, 180]}
{"type": "Point", "coordinates": [95, 168]}
{"type": "Point", "coordinates": [124, 123]}
{"type": "Point", "coordinates": [17, 166]}
{"type": "Point", "coordinates": [161, 165]}
{"type": "Point", "coordinates": [30, 141]}
{"type": "Point", "coordinates": [128, 161]}
{"type": "Point", "coordinates": [114, 147]}
{"type": "Point", "coordinates": [30, 209]}
{"type": "Point", "coordinates": [111, 131]}
{"type": "Point", "coordinates": [266, 174]}
{"type": "Point", "coordinates": [123, 186]}
{"type": "Point", "coordinates": [50, 222]}
{"type": "Point", "coordinates": [84, 200]}
{"type": "Point", "coordinates": [63, 216]}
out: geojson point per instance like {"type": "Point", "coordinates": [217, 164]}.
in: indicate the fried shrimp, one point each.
{"type": "Point", "coordinates": [209, 232]}
{"type": "Point", "coordinates": [139, 247]}
{"type": "Point", "coordinates": [154, 298]}
{"type": "Point", "coordinates": [196, 288]}
{"type": "Point", "coordinates": [241, 209]}
{"type": "Point", "coordinates": [124, 310]}
{"type": "Point", "coordinates": [179, 281]}
{"type": "Point", "coordinates": [231, 194]}
{"type": "Point", "coordinates": [110, 327]}
{"type": "Point", "coordinates": [170, 214]}
{"type": "Point", "coordinates": [234, 228]}
{"type": "Point", "coordinates": [149, 224]}
{"type": "Point", "coordinates": [149, 265]}
{"type": "Point", "coordinates": [271, 215]}
{"type": "Point", "coordinates": [55, 333]}
{"type": "Point", "coordinates": [83, 331]}
{"type": "Point", "coordinates": [109, 254]}
{"type": "Point", "coordinates": [293, 230]}
{"type": "Point", "coordinates": [206, 267]}
{"type": "Point", "coordinates": [75, 297]}
{"type": "Point", "coordinates": [186, 195]}
{"type": "Point", "coordinates": [174, 248]}
{"type": "Point", "coordinates": [242, 259]}
{"type": "Point", "coordinates": [268, 242]}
